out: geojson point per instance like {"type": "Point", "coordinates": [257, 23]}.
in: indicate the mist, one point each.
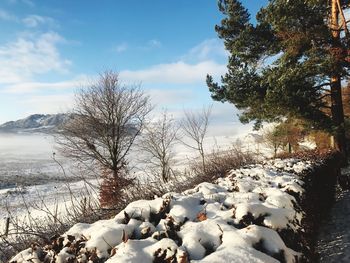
{"type": "Point", "coordinates": [26, 146]}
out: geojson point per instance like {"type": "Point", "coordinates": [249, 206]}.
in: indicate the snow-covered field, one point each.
{"type": "Point", "coordinates": [29, 172]}
{"type": "Point", "coordinates": [236, 219]}
{"type": "Point", "coordinates": [30, 175]}
{"type": "Point", "coordinates": [28, 159]}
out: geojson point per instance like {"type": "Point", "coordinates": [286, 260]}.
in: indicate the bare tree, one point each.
{"type": "Point", "coordinates": [158, 142]}
{"type": "Point", "coordinates": [107, 118]}
{"type": "Point", "coordinates": [194, 127]}
{"type": "Point", "coordinates": [273, 139]}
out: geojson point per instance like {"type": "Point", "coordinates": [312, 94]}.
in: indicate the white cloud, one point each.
{"type": "Point", "coordinates": [33, 87]}
{"type": "Point", "coordinates": [30, 87]}
{"type": "Point", "coordinates": [36, 20]}
{"type": "Point", "coordinates": [121, 47]}
{"type": "Point", "coordinates": [48, 103]}
{"type": "Point", "coordinates": [30, 55]}
{"type": "Point", "coordinates": [177, 73]}
{"type": "Point", "coordinates": [154, 43]}
{"type": "Point", "coordinates": [209, 49]}
{"type": "Point", "coordinates": [192, 68]}
{"type": "Point", "coordinates": [164, 97]}
{"type": "Point", "coordinates": [151, 44]}
{"type": "Point", "coordinates": [4, 15]}
{"type": "Point", "coordinates": [22, 60]}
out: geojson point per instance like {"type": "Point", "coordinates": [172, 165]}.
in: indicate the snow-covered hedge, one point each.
{"type": "Point", "coordinates": [239, 218]}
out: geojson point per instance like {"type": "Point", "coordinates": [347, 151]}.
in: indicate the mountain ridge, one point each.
{"type": "Point", "coordinates": [46, 123]}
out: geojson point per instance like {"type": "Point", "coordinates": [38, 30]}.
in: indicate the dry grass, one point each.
{"type": "Point", "coordinates": [218, 163]}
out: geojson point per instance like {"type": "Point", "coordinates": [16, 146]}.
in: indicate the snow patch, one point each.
{"type": "Point", "coordinates": [235, 219]}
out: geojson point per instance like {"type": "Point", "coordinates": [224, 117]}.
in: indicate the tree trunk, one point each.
{"type": "Point", "coordinates": [338, 115]}
{"type": "Point", "coordinates": [336, 96]}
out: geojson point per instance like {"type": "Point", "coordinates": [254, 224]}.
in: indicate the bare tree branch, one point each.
{"type": "Point", "coordinates": [158, 141]}
{"type": "Point", "coordinates": [194, 127]}
{"type": "Point", "coordinates": [107, 119]}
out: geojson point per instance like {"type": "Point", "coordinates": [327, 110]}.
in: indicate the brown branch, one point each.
{"type": "Point", "coordinates": [343, 19]}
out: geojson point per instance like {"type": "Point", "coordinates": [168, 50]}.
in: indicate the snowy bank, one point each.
{"type": "Point", "coordinates": [239, 218]}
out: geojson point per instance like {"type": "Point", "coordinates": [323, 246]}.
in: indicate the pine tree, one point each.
{"type": "Point", "coordinates": [287, 63]}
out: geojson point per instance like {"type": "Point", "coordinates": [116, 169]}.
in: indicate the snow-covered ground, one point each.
{"type": "Point", "coordinates": [236, 219]}
{"type": "Point", "coordinates": [40, 200]}
{"type": "Point", "coordinates": [28, 160]}
{"type": "Point", "coordinates": [29, 173]}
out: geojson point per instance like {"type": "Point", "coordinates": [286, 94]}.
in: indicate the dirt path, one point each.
{"type": "Point", "coordinates": [334, 238]}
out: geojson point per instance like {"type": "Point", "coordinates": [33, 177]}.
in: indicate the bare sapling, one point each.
{"type": "Point", "coordinates": [194, 127]}
{"type": "Point", "coordinates": [158, 143]}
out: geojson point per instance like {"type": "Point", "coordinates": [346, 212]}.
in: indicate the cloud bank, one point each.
{"type": "Point", "coordinates": [31, 55]}
{"type": "Point", "coordinates": [175, 73]}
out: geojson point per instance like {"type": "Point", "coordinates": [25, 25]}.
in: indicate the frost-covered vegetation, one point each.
{"type": "Point", "coordinates": [238, 218]}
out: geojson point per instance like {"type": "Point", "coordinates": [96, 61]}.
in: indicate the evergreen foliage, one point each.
{"type": "Point", "coordinates": [286, 64]}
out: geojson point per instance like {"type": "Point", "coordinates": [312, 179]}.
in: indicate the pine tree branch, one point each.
{"type": "Point", "coordinates": [321, 86]}
{"type": "Point", "coordinates": [323, 96]}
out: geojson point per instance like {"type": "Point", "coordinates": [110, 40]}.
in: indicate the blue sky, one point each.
{"type": "Point", "coordinates": [50, 47]}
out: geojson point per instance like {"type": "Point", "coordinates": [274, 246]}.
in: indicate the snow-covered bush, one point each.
{"type": "Point", "coordinates": [236, 219]}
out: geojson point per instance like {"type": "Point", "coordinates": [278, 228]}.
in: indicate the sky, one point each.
{"type": "Point", "coordinates": [49, 48]}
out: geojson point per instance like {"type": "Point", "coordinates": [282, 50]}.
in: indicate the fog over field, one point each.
{"type": "Point", "coordinates": [25, 146]}
{"type": "Point", "coordinates": [27, 159]}
{"type": "Point", "coordinates": [29, 173]}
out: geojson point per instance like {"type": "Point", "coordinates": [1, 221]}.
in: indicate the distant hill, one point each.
{"type": "Point", "coordinates": [36, 123]}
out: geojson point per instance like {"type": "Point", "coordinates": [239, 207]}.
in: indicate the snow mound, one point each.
{"type": "Point", "coordinates": [236, 219]}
